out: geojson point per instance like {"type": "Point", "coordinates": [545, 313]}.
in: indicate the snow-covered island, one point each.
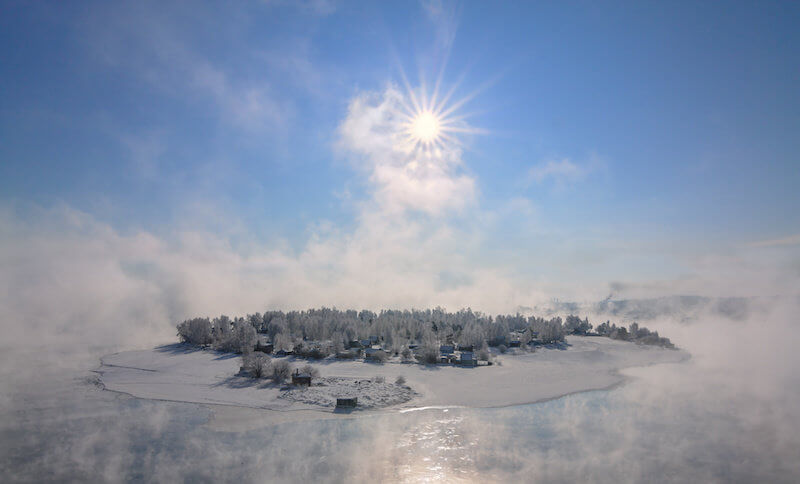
{"type": "Point", "coordinates": [482, 362]}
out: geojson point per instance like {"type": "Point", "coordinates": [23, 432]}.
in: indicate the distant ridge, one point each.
{"type": "Point", "coordinates": [684, 308]}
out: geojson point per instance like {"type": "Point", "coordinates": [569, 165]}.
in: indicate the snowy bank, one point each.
{"type": "Point", "coordinates": [369, 392]}
{"type": "Point", "coordinates": [182, 373]}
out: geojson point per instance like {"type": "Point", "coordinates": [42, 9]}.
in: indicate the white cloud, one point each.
{"type": "Point", "coordinates": [154, 46]}
{"type": "Point", "coordinates": [444, 16]}
{"type": "Point", "coordinates": [563, 172]}
{"type": "Point", "coordinates": [402, 180]}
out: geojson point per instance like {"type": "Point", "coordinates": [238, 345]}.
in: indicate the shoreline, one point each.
{"type": "Point", "coordinates": [186, 375]}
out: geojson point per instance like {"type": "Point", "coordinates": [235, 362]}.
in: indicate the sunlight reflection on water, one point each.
{"type": "Point", "coordinates": [435, 450]}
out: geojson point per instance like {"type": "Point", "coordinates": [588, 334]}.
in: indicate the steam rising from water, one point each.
{"type": "Point", "coordinates": [670, 423]}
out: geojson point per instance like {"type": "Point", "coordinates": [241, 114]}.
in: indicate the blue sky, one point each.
{"type": "Point", "coordinates": [640, 142]}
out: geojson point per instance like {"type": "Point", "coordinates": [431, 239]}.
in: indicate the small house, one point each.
{"type": "Point", "coordinates": [447, 349]}
{"type": "Point", "coordinates": [468, 359]}
{"type": "Point", "coordinates": [514, 343]}
{"type": "Point", "coordinates": [264, 347]}
{"type": "Point", "coordinates": [374, 354]}
{"type": "Point", "coordinates": [365, 343]}
{"type": "Point", "coordinates": [346, 402]}
{"type": "Point", "coordinates": [301, 378]}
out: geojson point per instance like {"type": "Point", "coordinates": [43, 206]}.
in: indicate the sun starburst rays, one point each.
{"type": "Point", "coordinates": [428, 124]}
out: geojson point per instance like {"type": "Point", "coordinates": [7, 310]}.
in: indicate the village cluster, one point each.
{"type": "Point", "coordinates": [372, 350]}
{"type": "Point", "coordinates": [432, 337]}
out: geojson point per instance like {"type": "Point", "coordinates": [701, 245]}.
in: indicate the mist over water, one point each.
{"type": "Point", "coordinates": [683, 422]}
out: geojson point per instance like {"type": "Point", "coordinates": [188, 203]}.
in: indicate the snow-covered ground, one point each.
{"type": "Point", "coordinates": [371, 392]}
{"type": "Point", "coordinates": [180, 373]}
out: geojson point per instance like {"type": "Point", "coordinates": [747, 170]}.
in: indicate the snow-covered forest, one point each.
{"type": "Point", "coordinates": [333, 330]}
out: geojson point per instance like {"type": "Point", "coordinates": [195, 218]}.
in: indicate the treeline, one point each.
{"type": "Point", "coordinates": [633, 333]}
{"type": "Point", "coordinates": [395, 329]}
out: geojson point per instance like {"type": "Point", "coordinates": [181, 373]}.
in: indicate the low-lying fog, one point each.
{"type": "Point", "coordinates": [729, 414]}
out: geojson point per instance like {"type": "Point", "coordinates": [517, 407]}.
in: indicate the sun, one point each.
{"type": "Point", "coordinates": [425, 127]}
{"type": "Point", "coordinates": [429, 123]}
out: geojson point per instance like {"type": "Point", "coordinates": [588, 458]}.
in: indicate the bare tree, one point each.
{"type": "Point", "coordinates": [258, 365]}
{"type": "Point", "coordinates": [428, 354]}
{"type": "Point", "coordinates": [282, 341]}
{"type": "Point", "coordinates": [379, 356]}
{"type": "Point", "coordinates": [281, 370]}
{"type": "Point", "coordinates": [338, 342]}
{"type": "Point", "coordinates": [483, 353]}
{"type": "Point", "coordinates": [310, 370]}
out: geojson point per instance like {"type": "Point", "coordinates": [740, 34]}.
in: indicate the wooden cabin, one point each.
{"type": "Point", "coordinates": [301, 378]}
{"type": "Point", "coordinates": [346, 402]}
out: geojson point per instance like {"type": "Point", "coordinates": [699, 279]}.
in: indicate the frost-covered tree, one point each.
{"type": "Point", "coordinates": [239, 339]}
{"type": "Point", "coordinates": [428, 352]}
{"type": "Point", "coordinates": [282, 341]}
{"type": "Point", "coordinates": [620, 333]}
{"type": "Point", "coordinates": [330, 329]}
{"type": "Point", "coordinates": [196, 331]}
{"type": "Point", "coordinates": [281, 370]}
{"type": "Point", "coordinates": [472, 335]}
{"type": "Point", "coordinates": [551, 331]}
{"type": "Point", "coordinates": [498, 332]}
{"type": "Point", "coordinates": [222, 328]}
{"type": "Point", "coordinates": [257, 364]}
{"type": "Point", "coordinates": [574, 325]}
{"type": "Point", "coordinates": [604, 329]}
{"type": "Point", "coordinates": [483, 353]}
{"type": "Point", "coordinates": [337, 342]}
{"type": "Point", "coordinates": [310, 370]}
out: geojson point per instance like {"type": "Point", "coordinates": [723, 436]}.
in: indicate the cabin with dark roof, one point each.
{"type": "Point", "coordinates": [375, 354]}
{"type": "Point", "coordinates": [468, 359]}
{"type": "Point", "coordinates": [264, 347]}
{"type": "Point", "coordinates": [346, 402]}
{"type": "Point", "coordinates": [301, 378]}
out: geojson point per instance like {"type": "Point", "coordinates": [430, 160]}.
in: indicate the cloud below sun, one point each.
{"type": "Point", "coordinates": [406, 170]}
